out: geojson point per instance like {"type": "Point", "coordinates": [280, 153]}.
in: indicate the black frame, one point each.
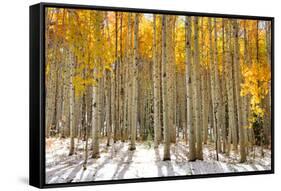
{"type": "Point", "coordinates": [37, 94]}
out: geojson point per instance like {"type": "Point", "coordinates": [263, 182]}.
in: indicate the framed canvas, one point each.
{"type": "Point", "coordinates": [122, 95]}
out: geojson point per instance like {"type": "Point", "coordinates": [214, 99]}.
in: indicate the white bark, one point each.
{"type": "Point", "coordinates": [164, 92]}
{"type": "Point", "coordinates": [135, 85]}
{"type": "Point", "coordinates": [199, 153]}
{"type": "Point", "coordinates": [156, 118]}
{"type": "Point", "coordinates": [189, 96]}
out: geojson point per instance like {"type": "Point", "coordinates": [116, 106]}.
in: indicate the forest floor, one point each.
{"type": "Point", "coordinates": [117, 162]}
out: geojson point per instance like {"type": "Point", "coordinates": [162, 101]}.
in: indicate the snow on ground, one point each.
{"type": "Point", "coordinates": [117, 162]}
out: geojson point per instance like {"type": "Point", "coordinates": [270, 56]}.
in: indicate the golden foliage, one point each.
{"type": "Point", "coordinates": [90, 38]}
{"type": "Point", "coordinates": [256, 85]}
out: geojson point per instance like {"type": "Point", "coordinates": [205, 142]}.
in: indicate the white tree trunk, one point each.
{"type": "Point", "coordinates": [189, 96]}
{"type": "Point", "coordinates": [156, 118]}
{"type": "Point", "coordinates": [95, 118]}
{"type": "Point", "coordinates": [71, 108]}
{"type": "Point", "coordinates": [199, 153]}
{"type": "Point", "coordinates": [164, 93]}
{"type": "Point", "coordinates": [229, 86]}
{"type": "Point", "coordinates": [135, 85]}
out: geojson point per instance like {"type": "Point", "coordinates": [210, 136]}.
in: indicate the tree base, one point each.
{"type": "Point", "coordinates": [96, 156]}
{"type": "Point", "coordinates": [192, 160]}
{"type": "Point", "coordinates": [199, 156]}
{"type": "Point", "coordinates": [132, 148]}
{"type": "Point", "coordinates": [71, 153]}
{"type": "Point", "coordinates": [242, 160]}
{"type": "Point", "coordinates": [166, 158]}
{"type": "Point", "coordinates": [84, 166]}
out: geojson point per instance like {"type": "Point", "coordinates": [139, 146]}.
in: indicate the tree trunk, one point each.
{"type": "Point", "coordinates": [164, 92]}
{"type": "Point", "coordinates": [229, 87]}
{"type": "Point", "coordinates": [135, 85]}
{"type": "Point", "coordinates": [156, 118]}
{"type": "Point", "coordinates": [223, 92]}
{"type": "Point", "coordinates": [237, 77]}
{"type": "Point", "coordinates": [95, 118]}
{"type": "Point", "coordinates": [97, 121]}
{"type": "Point", "coordinates": [189, 96]}
{"type": "Point", "coordinates": [199, 153]}
{"type": "Point", "coordinates": [71, 108]}
{"type": "Point", "coordinates": [108, 103]}
{"type": "Point", "coordinates": [215, 85]}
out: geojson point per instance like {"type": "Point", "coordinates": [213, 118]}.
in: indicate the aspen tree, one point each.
{"type": "Point", "coordinates": [96, 103]}
{"type": "Point", "coordinates": [189, 101]}
{"type": "Point", "coordinates": [218, 103]}
{"type": "Point", "coordinates": [170, 76]}
{"type": "Point", "coordinates": [215, 85]}
{"type": "Point", "coordinates": [71, 99]}
{"type": "Point", "coordinates": [130, 62]}
{"type": "Point", "coordinates": [135, 85]}
{"type": "Point", "coordinates": [71, 109]}
{"type": "Point", "coordinates": [204, 87]}
{"type": "Point", "coordinates": [267, 99]}
{"type": "Point", "coordinates": [155, 89]}
{"type": "Point", "coordinates": [164, 91]}
{"type": "Point", "coordinates": [199, 152]}
{"type": "Point", "coordinates": [108, 96]}
{"type": "Point", "coordinates": [223, 92]}
{"type": "Point", "coordinates": [237, 77]}
{"type": "Point", "coordinates": [229, 85]}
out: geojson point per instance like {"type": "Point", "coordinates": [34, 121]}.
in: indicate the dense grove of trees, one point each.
{"type": "Point", "coordinates": [121, 76]}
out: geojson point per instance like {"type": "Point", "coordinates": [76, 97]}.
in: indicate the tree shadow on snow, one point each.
{"type": "Point", "coordinates": [75, 164]}
{"type": "Point", "coordinates": [163, 164]}
{"type": "Point", "coordinates": [180, 153]}
{"type": "Point", "coordinates": [157, 162]}
{"type": "Point", "coordinates": [114, 150]}
{"type": "Point", "coordinates": [123, 165]}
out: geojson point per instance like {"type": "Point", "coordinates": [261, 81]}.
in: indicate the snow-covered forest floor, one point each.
{"type": "Point", "coordinates": [117, 162]}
